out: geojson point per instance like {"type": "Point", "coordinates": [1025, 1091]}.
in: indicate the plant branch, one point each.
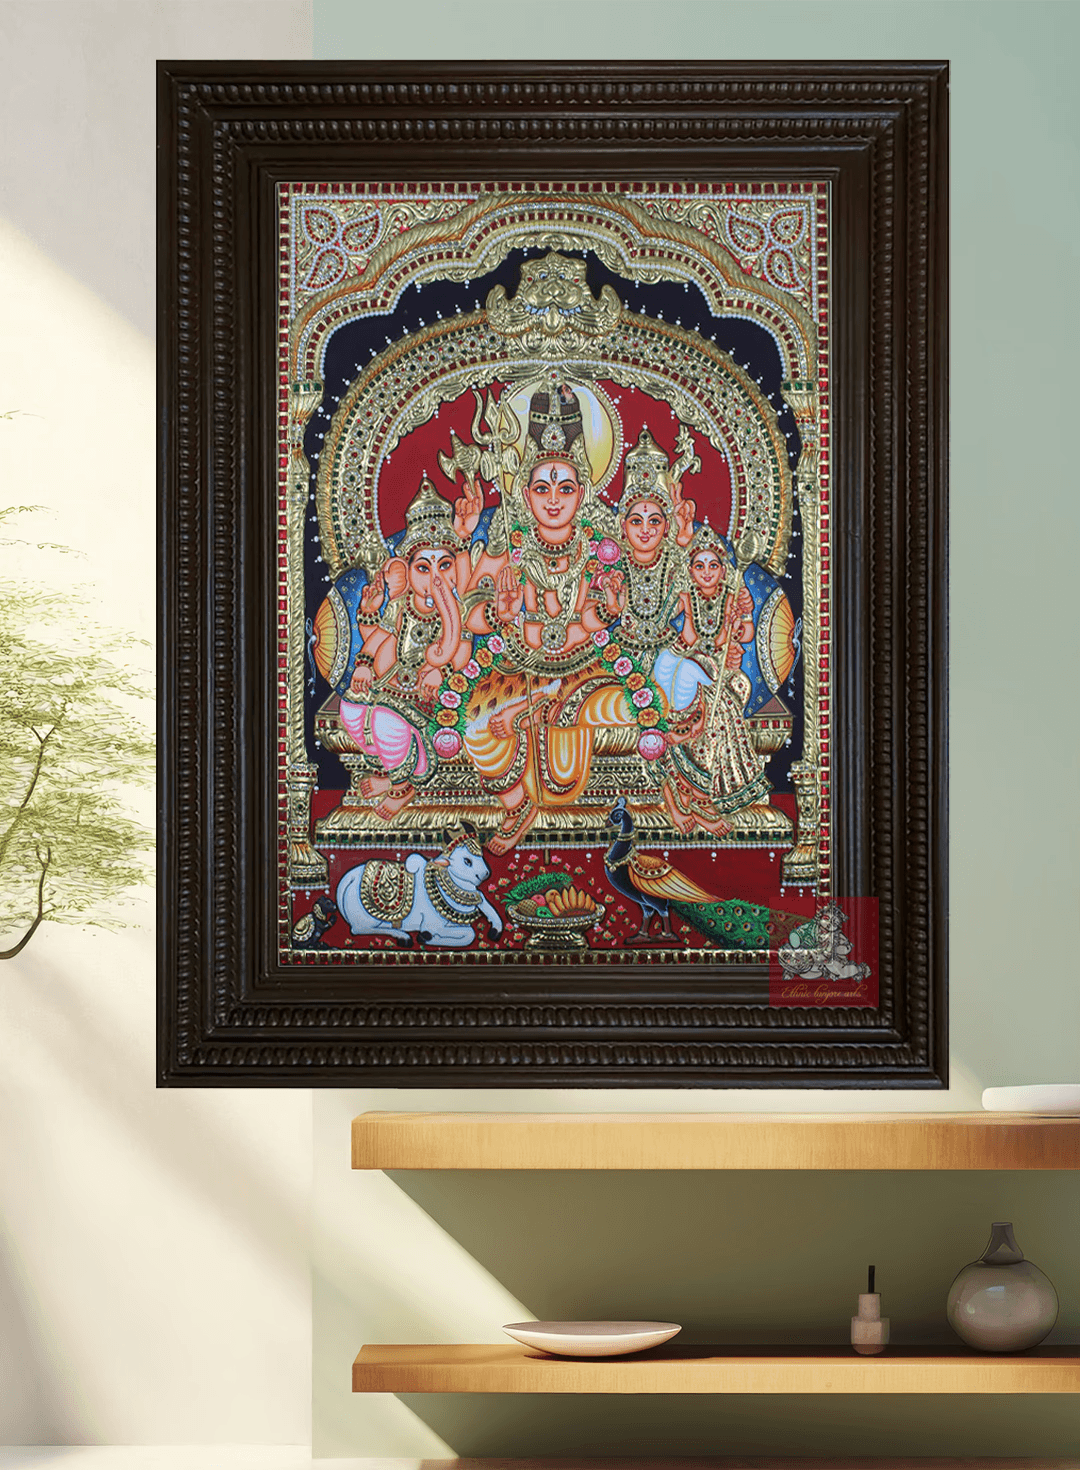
{"type": "Point", "coordinates": [9, 954]}
{"type": "Point", "coordinates": [39, 761]}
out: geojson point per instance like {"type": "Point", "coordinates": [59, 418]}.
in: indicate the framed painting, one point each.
{"type": "Point", "coordinates": [553, 575]}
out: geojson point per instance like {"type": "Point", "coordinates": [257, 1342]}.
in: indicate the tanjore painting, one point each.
{"type": "Point", "coordinates": [554, 574]}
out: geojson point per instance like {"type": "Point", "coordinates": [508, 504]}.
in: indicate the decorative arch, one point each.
{"type": "Point", "coordinates": [404, 386]}
{"type": "Point", "coordinates": [628, 239]}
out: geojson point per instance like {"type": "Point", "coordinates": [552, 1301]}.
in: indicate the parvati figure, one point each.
{"type": "Point", "coordinates": [644, 590]}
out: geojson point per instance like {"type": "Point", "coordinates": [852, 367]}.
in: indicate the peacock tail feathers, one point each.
{"type": "Point", "coordinates": [736, 924]}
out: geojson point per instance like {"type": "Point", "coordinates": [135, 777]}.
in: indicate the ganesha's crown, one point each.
{"type": "Point", "coordinates": [429, 522]}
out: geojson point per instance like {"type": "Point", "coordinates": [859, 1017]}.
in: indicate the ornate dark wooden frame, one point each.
{"type": "Point", "coordinates": [228, 133]}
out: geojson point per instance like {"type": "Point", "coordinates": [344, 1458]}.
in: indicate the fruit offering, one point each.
{"type": "Point", "coordinates": [566, 901]}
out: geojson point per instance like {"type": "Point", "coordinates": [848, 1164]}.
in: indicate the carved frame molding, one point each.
{"type": "Point", "coordinates": [229, 1015]}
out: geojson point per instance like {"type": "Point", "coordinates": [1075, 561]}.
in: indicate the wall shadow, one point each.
{"type": "Point", "coordinates": [38, 1398]}
{"type": "Point", "coordinates": [126, 1206]}
{"type": "Point", "coordinates": [676, 1425]}
{"type": "Point", "coordinates": [751, 1257]}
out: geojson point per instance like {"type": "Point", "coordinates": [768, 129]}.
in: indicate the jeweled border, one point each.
{"type": "Point", "coordinates": [289, 197]}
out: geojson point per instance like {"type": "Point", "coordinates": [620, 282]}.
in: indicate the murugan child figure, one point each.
{"type": "Point", "coordinates": [405, 652]}
{"type": "Point", "coordinates": [531, 721]}
{"type": "Point", "coordinates": [644, 591]}
{"type": "Point", "coordinates": [715, 769]}
{"type": "Point", "coordinates": [712, 619]}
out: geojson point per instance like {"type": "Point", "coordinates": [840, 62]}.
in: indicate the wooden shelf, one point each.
{"type": "Point", "coordinates": [743, 1462]}
{"type": "Point", "coordinates": [494, 1368]}
{"type": "Point", "coordinates": [714, 1141]}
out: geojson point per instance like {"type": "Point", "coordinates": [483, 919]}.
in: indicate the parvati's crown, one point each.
{"type": "Point", "coordinates": [646, 476]}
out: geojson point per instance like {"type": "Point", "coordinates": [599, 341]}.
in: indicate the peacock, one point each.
{"type": "Point", "coordinates": [660, 890]}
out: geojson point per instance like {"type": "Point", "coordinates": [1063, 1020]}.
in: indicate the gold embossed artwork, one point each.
{"type": "Point", "coordinates": [554, 571]}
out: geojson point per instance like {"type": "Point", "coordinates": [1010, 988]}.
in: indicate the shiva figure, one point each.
{"type": "Point", "coordinates": [406, 651]}
{"type": "Point", "coordinates": [645, 590]}
{"type": "Point", "coordinates": [531, 721]}
{"type": "Point", "coordinates": [715, 769]}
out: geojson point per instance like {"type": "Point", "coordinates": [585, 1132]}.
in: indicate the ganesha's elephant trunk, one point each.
{"type": "Point", "coordinates": [446, 645]}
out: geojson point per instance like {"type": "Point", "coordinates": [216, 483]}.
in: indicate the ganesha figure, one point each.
{"type": "Point", "coordinates": [407, 648]}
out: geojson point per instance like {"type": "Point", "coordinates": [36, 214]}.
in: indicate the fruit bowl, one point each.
{"type": "Point", "coordinates": [565, 930]}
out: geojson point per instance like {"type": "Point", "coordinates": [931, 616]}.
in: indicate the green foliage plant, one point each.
{"type": "Point", "coordinates": [72, 745]}
{"type": "Point", "coordinates": [538, 883]}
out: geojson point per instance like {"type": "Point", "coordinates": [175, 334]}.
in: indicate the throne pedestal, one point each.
{"type": "Point", "coordinates": [617, 770]}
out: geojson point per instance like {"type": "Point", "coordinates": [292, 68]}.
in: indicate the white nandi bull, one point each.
{"type": "Point", "coordinates": [439, 899]}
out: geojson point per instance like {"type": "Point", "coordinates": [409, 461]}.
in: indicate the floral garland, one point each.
{"type": "Point", "coordinates": [637, 685]}
{"type": "Point", "coordinates": [454, 693]}
{"type": "Point", "coordinates": [457, 686]}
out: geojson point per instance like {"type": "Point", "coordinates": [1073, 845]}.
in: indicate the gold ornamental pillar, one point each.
{"type": "Point", "coordinates": [307, 869]}
{"type": "Point", "coordinates": [802, 865]}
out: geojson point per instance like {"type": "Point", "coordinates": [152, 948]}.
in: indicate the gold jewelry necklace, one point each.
{"type": "Point", "coordinates": [565, 584]}
{"type": "Point", "coordinates": [443, 892]}
{"type": "Point", "coordinates": [650, 599]}
{"type": "Point", "coordinates": [707, 611]}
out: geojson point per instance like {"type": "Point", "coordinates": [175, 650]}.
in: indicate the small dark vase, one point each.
{"type": "Point", "coordinates": [1002, 1303]}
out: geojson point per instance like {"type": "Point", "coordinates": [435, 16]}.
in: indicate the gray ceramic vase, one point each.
{"type": "Point", "coordinates": [1002, 1303]}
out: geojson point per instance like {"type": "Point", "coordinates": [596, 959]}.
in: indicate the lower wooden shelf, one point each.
{"type": "Point", "coordinates": [499, 1368]}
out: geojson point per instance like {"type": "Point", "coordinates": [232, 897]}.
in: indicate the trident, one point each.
{"type": "Point", "coordinates": [494, 449]}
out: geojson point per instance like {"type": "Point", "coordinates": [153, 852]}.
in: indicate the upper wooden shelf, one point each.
{"type": "Point", "coordinates": [741, 1462]}
{"type": "Point", "coordinates": [737, 1462]}
{"type": "Point", "coordinates": [511, 1368]}
{"type": "Point", "coordinates": [714, 1141]}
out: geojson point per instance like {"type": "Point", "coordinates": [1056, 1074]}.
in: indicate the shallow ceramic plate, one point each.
{"type": "Point", "coordinates": [1046, 1099]}
{"type": "Point", "coordinates": [592, 1339]}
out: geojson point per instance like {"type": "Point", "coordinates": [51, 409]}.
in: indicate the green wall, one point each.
{"type": "Point", "coordinates": [1015, 996]}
